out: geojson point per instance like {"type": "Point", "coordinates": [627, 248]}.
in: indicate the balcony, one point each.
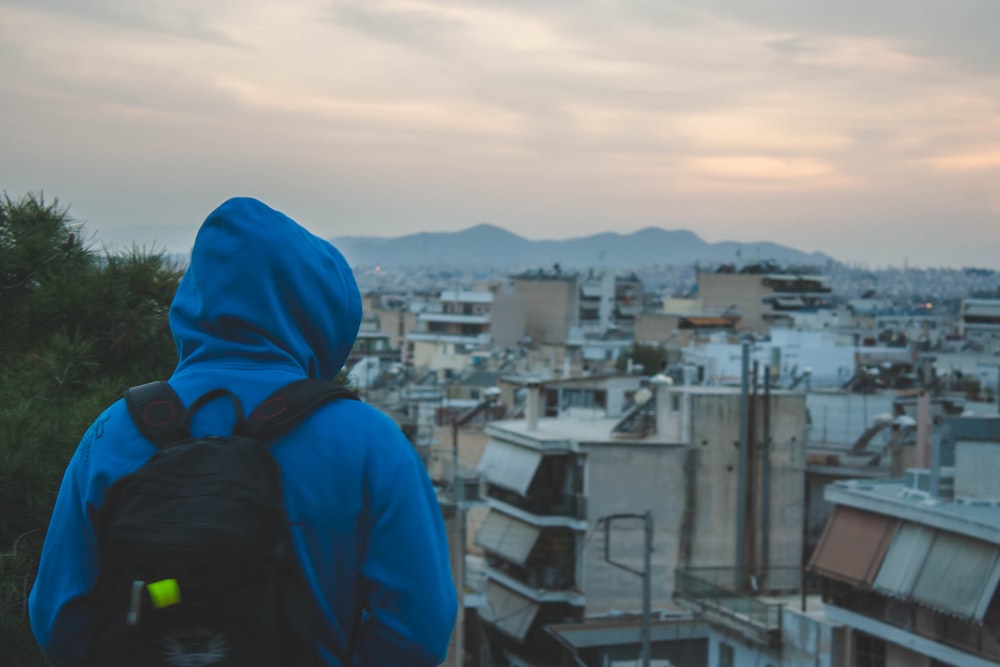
{"type": "Point", "coordinates": [536, 576]}
{"type": "Point", "coordinates": [573, 506]}
{"type": "Point", "coordinates": [880, 615]}
{"type": "Point", "coordinates": [714, 592]}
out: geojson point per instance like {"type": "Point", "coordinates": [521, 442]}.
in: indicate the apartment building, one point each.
{"type": "Point", "coordinates": [461, 328]}
{"type": "Point", "coordinates": [609, 301]}
{"type": "Point", "coordinates": [761, 299]}
{"type": "Point", "coordinates": [560, 304]}
{"type": "Point", "coordinates": [979, 323]}
{"type": "Point", "coordinates": [388, 313]}
{"type": "Point", "coordinates": [551, 304]}
{"type": "Point", "coordinates": [720, 474]}
{"type": "Point", "coordinates": [911, 565]}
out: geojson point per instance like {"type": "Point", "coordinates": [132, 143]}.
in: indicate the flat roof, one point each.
{"type": "Point", "coordinates": [466, 296]}
{"type": "Point", "coordinates": [453, 318]}
{"type": "Point", "coordinates": [625, 632]}
{"type": "Point", "coordinates": [571, 429]}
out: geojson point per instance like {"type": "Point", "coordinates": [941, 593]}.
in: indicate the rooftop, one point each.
{"type": "Point", "coordinates": [894, 498]}
{"type": "Point", "coordinates": [568, 429]}
{"type": "Point", "coordinates": [466, 296]}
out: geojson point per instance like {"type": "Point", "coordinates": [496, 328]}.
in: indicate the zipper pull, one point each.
{"type": "Point", "coordinates": [135, 603]}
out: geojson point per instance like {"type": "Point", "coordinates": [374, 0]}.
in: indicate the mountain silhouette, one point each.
{"type": "Point", "coordinates": [489, 245]}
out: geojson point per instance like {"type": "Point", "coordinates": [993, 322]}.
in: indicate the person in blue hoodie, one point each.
{"type": "Point", "coordinates": [264, 302]}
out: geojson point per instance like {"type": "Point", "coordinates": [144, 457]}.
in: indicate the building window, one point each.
{"type": "Point", "coordinates": [675, 402]}
{"type": "Point", "coordinates": [726, 655]}
{"type": "Point", "coordinates": [868, 651]}
{"type": "Point", "coordinates": [584, 398]}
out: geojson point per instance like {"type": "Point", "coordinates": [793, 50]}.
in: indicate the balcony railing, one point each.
{"type": "Point", "coordinates": [964, 636]}
{"type": "Point", "coordinates": [540, 577]}
{"type": "Point", "coordinates": [716, 590]}
{"type": "Point", "coordinates": [568, 505]}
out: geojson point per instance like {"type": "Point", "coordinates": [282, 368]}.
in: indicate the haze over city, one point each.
{"type": "Point", "coordinates": [870, 132]}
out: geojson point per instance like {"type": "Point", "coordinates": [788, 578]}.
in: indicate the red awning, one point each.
{"type": "Point", "coordinates": [853, 545]}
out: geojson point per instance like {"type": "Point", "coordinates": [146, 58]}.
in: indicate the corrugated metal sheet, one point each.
{"type": "Point", "coordinates": [509, 611]}
{"type": "Point", "coordinates": [509, 466]}
{"type": "Point", "coordinates": [959, 576]}
{"type": "Point", "coordinates": [904, 559]}
{"type": "Point", "coordinates": [507, 537]}
{"type": "Point", "coordinates": [853, 545]}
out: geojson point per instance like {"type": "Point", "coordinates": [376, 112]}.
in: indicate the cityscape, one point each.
{"type": "Point", "coordinates": [730, 464]}
{"type": "Point", "coordinates": [690, 310]}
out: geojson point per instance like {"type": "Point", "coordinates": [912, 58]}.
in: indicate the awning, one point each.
{"type": "Point", "coordinates": [509, 466]}
{"type": "Point", "coordinates": [700, 322]}
{"type": "Point", "coordinates": [507, 537]}
{"type": "Point", "coordinates": [510, 612]}
{"type": "Point", "coordinates": [904, 559]}
{"type": "Point", "coordinates": [853, 545]}
{"type": "Point", "coordinates": [959, 576]}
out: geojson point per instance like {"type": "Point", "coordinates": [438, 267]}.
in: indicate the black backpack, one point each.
{"type": "Point", "coordinates": [196, 559]}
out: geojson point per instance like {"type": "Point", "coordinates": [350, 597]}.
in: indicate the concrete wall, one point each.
{"type": "Point", "coordinates": [977, 470]}
{"type": "Point", "coordinates": [718, 291]}
{"type": "Point", "coordinates": [714, 437]}
{"type": "Point", "coordinates": [808, 641]}
{"type": "Point", "coordinates": [701, 478]}
{"type": "Point", "coordinates": [787, 492]}
{"type": "Point", "coordinates": [656, 328]}
{"type": "Point", "coordinates": [715, 432]}
{"type": "Point", "coordinates": [621, 479]}
{"type": "Point", "coordinates": [507, 318]}
{"type": "Point", "coordinates": [551, 308]}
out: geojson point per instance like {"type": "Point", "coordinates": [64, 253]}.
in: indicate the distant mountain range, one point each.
{"type": "Point", "coordinates": [488, 245]}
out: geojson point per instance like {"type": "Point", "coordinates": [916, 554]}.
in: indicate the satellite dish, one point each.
{"type": "Point", "coordinates": [642, 396]}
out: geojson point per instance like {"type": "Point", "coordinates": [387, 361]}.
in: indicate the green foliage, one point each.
{"type": "Point", "coordinates": [78, 328]}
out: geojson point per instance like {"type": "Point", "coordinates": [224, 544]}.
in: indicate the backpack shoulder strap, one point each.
{"type": "Point", "coordinates": [289, 405]}
{"type": "Point", "coordinates": [157, 412]}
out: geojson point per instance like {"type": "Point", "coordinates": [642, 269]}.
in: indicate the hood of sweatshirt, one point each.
{"type": "Point", "coordinates": [262, 291]}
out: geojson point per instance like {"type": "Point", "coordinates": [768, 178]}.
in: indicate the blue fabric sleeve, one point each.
{"type": "Point", "coordinates": [410, 594]}
{"type": "Point", "coordinates": [61, 616]}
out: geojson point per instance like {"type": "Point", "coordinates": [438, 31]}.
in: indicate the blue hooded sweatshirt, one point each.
{"type": "Point", "coordinates": [263, 303]}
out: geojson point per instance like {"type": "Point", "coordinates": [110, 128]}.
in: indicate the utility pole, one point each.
{"type": "Point", "coordinates": [741, 480]}
{"type": "Point", "coordinates": [645, 652]}
{"type": "Point", "coordinates": [458, 497]}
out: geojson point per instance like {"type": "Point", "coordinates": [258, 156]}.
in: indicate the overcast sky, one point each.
{"type": "Point", "coordinates": [869, 130]}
